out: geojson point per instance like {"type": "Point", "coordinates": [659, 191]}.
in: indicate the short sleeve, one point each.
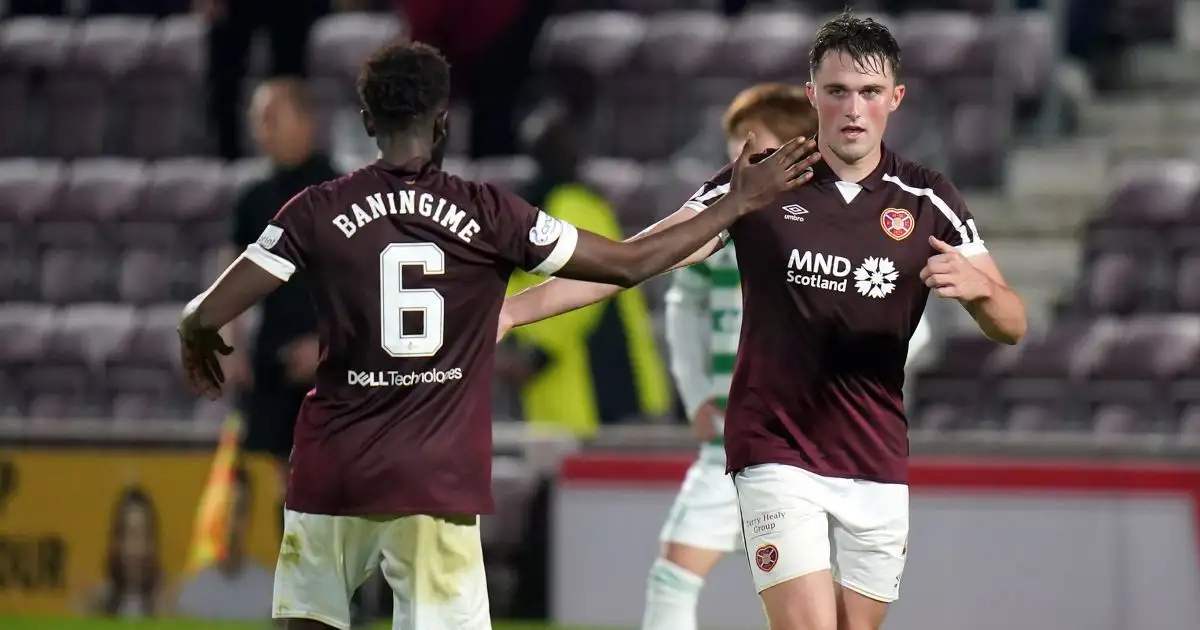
{"type": "Point", "coordinates": [710, 193]}
{"type": "Point", "coordinates": [525, 236]}
{"type": "Point", "coordinates": [283, 246]}
{"type": "Point", "coordinates": [955, 225]}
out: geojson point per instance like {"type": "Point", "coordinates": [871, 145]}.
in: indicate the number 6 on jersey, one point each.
{"type": "Point", "coordinates": [394, 299]}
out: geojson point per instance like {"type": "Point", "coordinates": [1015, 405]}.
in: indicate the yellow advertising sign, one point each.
{"type": "Point", "coordinates": [71, 519]}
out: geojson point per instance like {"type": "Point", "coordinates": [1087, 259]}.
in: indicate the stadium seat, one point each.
{"type": "Point", "coordinates": [144, 276]}
{"type": "Point", "coordinates": [92, 333]}
{"type": "Point", "coordinates": [958, 381]}
{"type": "Point", "coordinates": [1187, 283]}
{"type": "Point", "coordinates": [112, 46]}
{"type": "Point", "coordinates": [596, 42]}
{"type": "Point", "coordinates": [35, 43]}
{"type": "Point", "coordinates": [16, 105]}
{"type": "Point", "coordinates": [762, 46]}
{"type": "Point", "coordinates": [1135, 369]}
{"type": "Point", "coordinates": [29, 189]}
{"type": "Point", "coordinates": [165, 91]}
{"type": "Point", "coordinates": [1113, 283]}
{"type": "Point", "coordinates": [978, 134]}
{"type": "Point", "coordinates": [188, 190]}
{"type": "Point", "coordinates": [1189, 422]}
{"type": "Point", "coordinates": [941, 44]}
{"type": "Point", "coordinates": [73, 274]}
{"type": "Point", "coordinates": [1117, 420]}
{"type": "Point", "coordinates": [30, 47]}
{"type": "Point", "coordinates": [340, 42]}
{"type": "Point", "coordinates": [1028, 41]}
{"type": "Point", "coordinates": [1150, 194]}
{"type": "Point", "coordinates": [143, 393]}
{"type": "Point", "coordinates": [24, 333]}
{"type": "Point", "coordinates": [155, 340]}
{"type": "Point", "coordinates": [656, 92]}
{"type": "Point", "coordinates": [97, 193]}
{"type": "Point", "coordinates": [1037, 416]}
{"type": "Point", "coordinates": [1045, 372]}
{"type": "Point", "coordinates": [86, 102]}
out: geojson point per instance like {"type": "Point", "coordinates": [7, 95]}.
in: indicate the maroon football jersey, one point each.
{"type": "Point", "coordinates": [408, 267]}
{"type": "Point", "coordinates": [832, 293]}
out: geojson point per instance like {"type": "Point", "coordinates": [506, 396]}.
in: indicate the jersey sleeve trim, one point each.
{"type": "Point", "coordinates": [972, 249]}
{"type": "Point", "coordinates": [274, 265]}
{"type": "Point", "coordinates": [971, 244]}
{"type": "Point", "coordinates": [562, 252]}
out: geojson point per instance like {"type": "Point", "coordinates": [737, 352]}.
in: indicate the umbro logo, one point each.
{"type": "Point", "coordinates": [793, 212]}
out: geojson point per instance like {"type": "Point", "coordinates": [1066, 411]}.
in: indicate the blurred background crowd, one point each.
{"type": "Point", "coordinates": [144, 143]}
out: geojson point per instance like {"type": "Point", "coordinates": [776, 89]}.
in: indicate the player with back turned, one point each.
{"type": "Point", "coordinates": [835, 276]}
{"type": "Point", "coordinates": [408, 267]}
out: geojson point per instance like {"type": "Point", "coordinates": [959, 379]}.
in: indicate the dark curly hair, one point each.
{"type": "Point", "coordinates": [403, 85]}
{"type": "Point", "coordinates": [869, 43]}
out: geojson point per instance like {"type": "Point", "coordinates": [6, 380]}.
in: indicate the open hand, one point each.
{"type": "Point", "coordinates": [201, 365]}
{"type": "Point", "coordinates": [951, 275]}
{"type": "Point", "coordinates": [759, 183]}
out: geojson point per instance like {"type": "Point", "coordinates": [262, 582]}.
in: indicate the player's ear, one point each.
{"type": "Point", "coordinates": [441, 127]}
{"type": "Point", "coordinates": [897, 96]}
{"type": "Point", "coordinates": [368, 123]}
{"type": "Point", "coordinates": [810, 90]}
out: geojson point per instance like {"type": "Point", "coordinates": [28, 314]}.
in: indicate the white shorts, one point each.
{"type": "Point", "coordinates": [433, 565]}
{"type": "Point", "coordinates": [796, 522]}
{"type": "Point", "coordinates": [705, 513]}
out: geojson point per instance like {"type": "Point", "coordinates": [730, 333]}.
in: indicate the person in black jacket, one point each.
{"type": "Point", "coordinates": [272, 379]}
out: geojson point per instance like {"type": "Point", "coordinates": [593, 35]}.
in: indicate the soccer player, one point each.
{"type": "Point", "coordinates": [408, 267]}
{"type": "Point", "coordinates": [704, 312]}
{"type": "Point", "coordinates": [835, 276]}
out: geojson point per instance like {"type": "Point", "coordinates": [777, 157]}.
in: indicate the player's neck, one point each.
{"type": "Point", "coordinates": [846, 172]}
{"type": "Point", "coordinates": [397, 150]}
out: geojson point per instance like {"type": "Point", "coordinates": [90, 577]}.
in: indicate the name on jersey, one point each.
{"type": "Point", "coordinates": [875, 277]}
{"type": "Point", "coordinates": [393, 378]}
{"type": "Point", "coordinates": [426, 205]}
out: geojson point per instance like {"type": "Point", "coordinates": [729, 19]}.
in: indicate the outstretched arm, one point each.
{"type": "Point", "coordinates": [752, 185]}
{"type": "Point", "coordinates": [554, 297]}
{"type": "Point", "coordinates": [560, 295]}
{"type": "Point", "coordinates": [242, 285]}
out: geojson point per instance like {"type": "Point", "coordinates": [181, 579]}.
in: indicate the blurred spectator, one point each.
{"type": "Point", "coordinates": [133, 573]}
{"type": "Point", "coordinates": [274, 376]}
{"type": "Point", "coordinates": [232, 27]}
{"type": "Point", "coordinates": [236, 587]}
{"type": "Point", "coordinates": [488, 44]}
{"type": "Point", "coordinates": [598, 364]}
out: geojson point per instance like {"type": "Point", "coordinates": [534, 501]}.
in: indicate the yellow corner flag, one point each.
{"type": "Point", "coordinates": [213, 517]}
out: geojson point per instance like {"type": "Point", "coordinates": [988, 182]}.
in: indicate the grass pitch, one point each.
{"type": "Point", "coordinates": [50, 623]}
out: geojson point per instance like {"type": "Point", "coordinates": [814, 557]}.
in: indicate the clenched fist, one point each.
{"type": "Point", "coordinates": [951, 275]}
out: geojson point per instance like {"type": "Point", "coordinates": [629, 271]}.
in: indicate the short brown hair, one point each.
{"type": "Point", "coordinates": [783, 108]}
